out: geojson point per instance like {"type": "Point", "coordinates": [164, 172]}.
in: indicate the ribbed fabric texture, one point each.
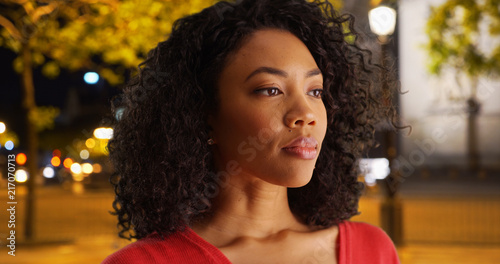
{"type": "Point", "coordinates": [357, 243]}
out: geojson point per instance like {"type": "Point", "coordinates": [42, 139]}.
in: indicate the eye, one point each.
{"type": "Point", "coordinates": [271, 91]}
{"type": "Point", "coordinates": [316, 93]}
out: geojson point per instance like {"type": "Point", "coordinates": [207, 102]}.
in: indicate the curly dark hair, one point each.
{"type": "Point", "coordinates": [164, 171]}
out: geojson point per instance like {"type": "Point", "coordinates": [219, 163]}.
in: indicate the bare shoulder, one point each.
{"type": "Point", "coordinates": [329, 234]}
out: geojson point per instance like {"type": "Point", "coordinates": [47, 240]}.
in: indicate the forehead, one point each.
{"type": "Point", "coordinates": [271, 48]}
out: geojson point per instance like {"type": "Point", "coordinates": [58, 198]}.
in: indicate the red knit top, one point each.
{"type": "Point", "coordinates": [358, 243]}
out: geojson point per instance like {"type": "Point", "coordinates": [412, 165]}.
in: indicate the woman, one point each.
{"type": "Point", "coordinates": [239, 139]}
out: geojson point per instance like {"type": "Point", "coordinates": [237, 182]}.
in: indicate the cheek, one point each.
{"type": "Point", "coordinates": [240, 125]}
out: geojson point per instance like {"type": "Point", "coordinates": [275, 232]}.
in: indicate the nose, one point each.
{"type": "Point", "coordinates": [300, 113]}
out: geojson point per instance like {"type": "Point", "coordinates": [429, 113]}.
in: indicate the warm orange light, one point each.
{"type": "Point", "coordinates": [55, 161]}
{"type": "Point", "coordinates": [21, 159]}
{"type": "Point", "coordinates": [56, 153]}
{"type": "Point", "coordinates": [97, 167]}
{"type": "Point", "coordinates": [67, 163]}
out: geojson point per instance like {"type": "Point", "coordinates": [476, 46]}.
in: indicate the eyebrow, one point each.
{"type": "Point", "coordinates": [279, 72]}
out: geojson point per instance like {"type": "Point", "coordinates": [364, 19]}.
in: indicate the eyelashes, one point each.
{"type": "Point", "coordinates": [271, 91]}
{"type": "Point", "coordinates": [275, 91]}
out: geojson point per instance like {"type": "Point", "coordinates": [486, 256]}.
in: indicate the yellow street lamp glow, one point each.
{"type": "Point", "coordinates": [21, 175]}
{"type": "Point", "coordinates": [382, 20]}
{"type": "Point", "coordinates": [76, 168]}
{"type": "Point", "coordinates": [103, 133]}
{"type": "Point", "coordinates": [2, 127]}
{"type": "Point", "coordinates": [90, 143]}
{"type": "Point", "coordinates": [87, 168]}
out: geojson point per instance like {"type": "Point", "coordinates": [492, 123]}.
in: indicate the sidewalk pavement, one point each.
{"type": "Point", "coordinates": [95, 250]}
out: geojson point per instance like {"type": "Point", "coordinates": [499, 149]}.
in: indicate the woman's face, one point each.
{"type": "Point", "coordinates": [270, 86]}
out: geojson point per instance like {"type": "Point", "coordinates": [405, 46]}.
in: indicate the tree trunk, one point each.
{"type": "Point", "coordinates": [29, 107]}
{"type": "Point", "coordinates": [473, 109]}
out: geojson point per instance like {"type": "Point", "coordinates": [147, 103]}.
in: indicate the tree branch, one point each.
{"type": "Point", "coordinates": [44, 10]}
{"type": "Point", "coordinates": [13, 31]}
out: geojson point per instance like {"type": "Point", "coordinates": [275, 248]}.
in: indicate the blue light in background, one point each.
{"type": "Point", "coordinates": [91, 77]}
{"type": "Point", "coordinates": [9, 145]}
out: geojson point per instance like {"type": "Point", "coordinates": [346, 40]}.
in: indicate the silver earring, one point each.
{"type": "Point", "coordinates": [211, 141]}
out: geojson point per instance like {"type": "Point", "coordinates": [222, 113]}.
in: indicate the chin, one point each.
{"type": "Point", "coordinates": [298, 180]}
{"type": "Point", "coordinates": [299, 183]}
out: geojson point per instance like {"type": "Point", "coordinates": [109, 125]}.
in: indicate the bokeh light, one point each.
{"type": "Point", "coordinates": [87, 168]}
{"type": "Point", "coordinates": [55, 161]}
{"type": "Point", "coordinates": [2, 127]}
{"type": "Point", "coordinates": [374, 169]}
{"type": "Point", "coordinates": [76, 168]}
{"type": "Point", "coordinates": [48, 172]}
{"type": "Point", "coordinates": [21, 175]}
{"type": "Point", "coordinates": [84, 154]}
{"type": "Point", "coordinates": [56, 153]}
{"type": "Point", "coordinates": [67, 163]}
{"type": "Point", "coordinates": [382, 20]}
{"type": "Point", "coordinates": [90, 143]}
{"type": "Point", "coordinates": [21, 159]}
{"type": "Point", "coordinates": [9, 145]}
{"type": "Point", "coordinates": [91, 77]}
{"type": "Point", "coordinates": [103, 133]}
{"type": "Point", "coordinates": [97, 168]}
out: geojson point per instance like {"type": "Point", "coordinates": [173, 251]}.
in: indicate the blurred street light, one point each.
{"type": "Point", "coordinates": [76, 168]}
{"type": "Point", "coordinates": [91, 77]}
{"type": "Point", "coordinates": [21, 175]}
{"type": "Point", "coordinates": [90, 143]}
{"type": "Point", "coordinates": [96, 168]}
{"type": "Point", "coordinates": [374, 169]}
{"type": "Point", "coordinates": [87, 168]}
{"type": "Point", "coordinates": [9, 145]}
{"type": "Point", "coordinates": [382, 21]}
{"type": "Point", "coordinates": [55, 161]}
{"type": "Point", "coordinates": [67, 163]}
{"type": "Point", "coordinates": [2, 127]}
{"type": "Point", "coordinates": [103, 133]}
{"type": "Point", "coordinates": [84, 154]}
{"type": "Point", "coordinates": [48, 172]}
{"type": "Point", "coordinates": [21, 159]}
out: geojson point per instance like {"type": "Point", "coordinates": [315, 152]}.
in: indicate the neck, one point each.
{"type": "Point", "coordinates": [250, 207]}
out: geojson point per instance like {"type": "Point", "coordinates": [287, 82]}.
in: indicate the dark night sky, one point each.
{"type": "Point", "coordinates": [54, 93]}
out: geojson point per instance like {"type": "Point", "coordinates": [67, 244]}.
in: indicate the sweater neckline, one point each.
{"type": "Point", "coordinates": [339, 247]}
{"type": "Point", "coordinates": [190, 234]}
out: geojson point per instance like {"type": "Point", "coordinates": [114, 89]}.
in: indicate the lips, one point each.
{"type": "Point", "coordinates": [302, 147]}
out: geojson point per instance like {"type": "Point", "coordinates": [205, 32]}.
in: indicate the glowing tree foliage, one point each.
{"type": "Point", "coordinates": [455, 30]}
